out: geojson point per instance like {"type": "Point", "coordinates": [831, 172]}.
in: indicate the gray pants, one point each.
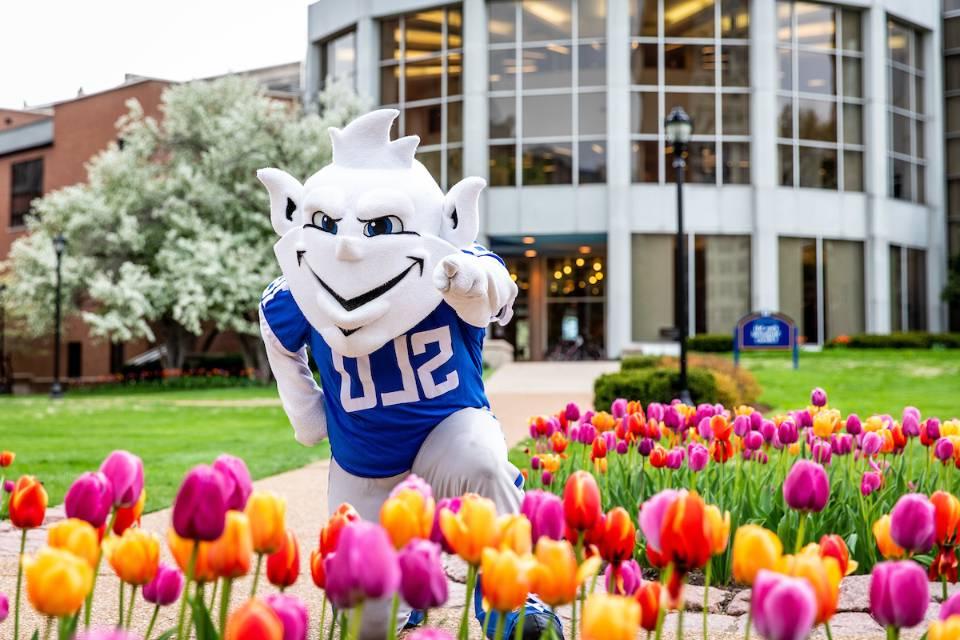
{"type": "Point", "coordinates": [464, 453]}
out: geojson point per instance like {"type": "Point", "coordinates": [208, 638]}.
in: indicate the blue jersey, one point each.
{"type": "Point", "coordinates": [381, 407]}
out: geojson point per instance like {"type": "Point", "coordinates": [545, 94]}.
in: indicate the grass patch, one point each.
{"type": "Point", "coordinates": [171, 431]}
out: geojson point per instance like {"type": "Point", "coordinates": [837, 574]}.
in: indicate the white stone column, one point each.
{"type": "Point", "coordinates": [619, 267]}
{"type": "Point", "coordinates": [935, 180]}
{"type": "Point", "coordinates": [368, 50]}
{"type": "Point", "coordinates": [475, 88]}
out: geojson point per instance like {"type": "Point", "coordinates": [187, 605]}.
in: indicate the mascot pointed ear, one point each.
{"type": "Point", "coordinates": [461, 212]}
{"type": "Point", "coordinates": [285, 194]}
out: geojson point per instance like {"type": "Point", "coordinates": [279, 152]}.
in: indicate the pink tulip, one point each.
{"type": "Point", "coordinates": [423, 583]}
{"type": "Point", "coordinates": [545, 512]}
{"type": "Point", "coordinates": [4, 607]}
{"type": "Point", "coordinates": [429, 634]}
{"type": "Point", "coordinates": [125, 473]}
{"type": "Point", "coordinates": [818, 397]}
{"type": "Point", "coordinates": [783, 608]}
{"type": "Point", "coordinates": [90, 498]}
{"type": "Point", "coordinates": [200, 508]}
{"type": "Point", "coordinates": [629, 577]}
{"type": "Point", "coordinates": [806, 487]}
{"type": "Point", "coordinates": [292, 613]}
{"type": "Point", "coordinates": [652, 513]}
{"type": "Point", "coordinates": [364, 566]}
{"type": "Point", "coordinates": [236, 480]}
{"type": "Point", "coordinates": [899, 594]}
{"type": "Point", "coordinates": [913, 523]}
{"type": "Point", "coordinates": [436, 534]}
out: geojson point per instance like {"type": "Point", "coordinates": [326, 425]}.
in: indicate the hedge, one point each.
{"type": "Point", "coordinates": [710, 343]}
{"type": "Point", "coordinates": [903, 340]}
{"type": "Point", "coordinates": [660, 385]}
{"type": "Point", "coordinates": [631, 363]}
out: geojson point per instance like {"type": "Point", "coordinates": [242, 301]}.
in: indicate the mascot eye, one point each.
{"type": "Point", "coordinates": [327, 223]}
{"type": "Point", "coordinates": [382, 226]}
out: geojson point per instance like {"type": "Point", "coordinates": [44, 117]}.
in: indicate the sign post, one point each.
{"type": "Point", "coordinates": [766, 331]}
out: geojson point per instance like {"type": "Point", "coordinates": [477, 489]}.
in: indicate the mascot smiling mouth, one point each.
{"type": "Point", "coordinates": [351, 304]}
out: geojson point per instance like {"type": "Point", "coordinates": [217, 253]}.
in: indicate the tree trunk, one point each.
{"type": "Point", "coordinates": [255, 357]}
{"type": "Point", "coordinates": [179, 342]}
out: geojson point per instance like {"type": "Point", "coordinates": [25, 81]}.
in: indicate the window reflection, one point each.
{"type": "Point", "coordinates": [545, 163]}
{"type": "Point", "coordinates": [547, 116]}
{"type": "Point", "coordinates": [339, 59]}
{"type": "Point", "coordinates": [688, 18]}
{"type": "Point", "coordinates": [906, 112]}
{"type": "Point", "coordinates": [593, 162]}
{"type": "Point", "coordinates": [689, 65]}
{"type": "Point", "coordinates": [700, 107]}
{"type": "Point", "coordinates": [546, 20]}
{"type": "Point", "coordinates": [818, 168]}
{"type": "Point", "coordinates": [645, 161]}
{"type": "Point", "coordinates": [547, 67]}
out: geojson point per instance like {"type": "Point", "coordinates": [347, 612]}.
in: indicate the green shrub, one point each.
{"type": "Point", "coordinates": [631, 363]}
{"type": "Point", "coordinates": [710, 343]}
{"type": "Point", "coordinates": [654, 385]}
{"type": "Point", "coordinates": [900, 340]}
{"type": "Point", "coordinates": [743, 387]}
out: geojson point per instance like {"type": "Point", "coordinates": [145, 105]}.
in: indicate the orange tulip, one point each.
{"type": "Point", "coordinates": [722, 428]}
{"type": "Point", "coordinates": [472, 529]}
{"type": "Point", "coordinates": [719, 526]}
{"type": "Point", "coordinates": [407, 515]}
{"type": "Point", "coordinates": [129, 516]}
{"type": "Point", "coordinates": [76, 536]}
{"type": "Point", "coordinates": [230, 554]}
{"type": "Point", "coordinates": [648, 597]}
{"type": "Point", "coordinates": [581, 501]}
{"type": "Point", "coordinates": [658, 457]}
{"type": "Point", "coordinates": [685, 537]}
{"type": "Point", "coordinates": [57, 581]}
{"type": "Point", "coordinates": [722, 450]}
{"type": "Point", "coordinates": [834, 547]}
{"type": "Point", "coordinates": [506, 578]}
{"type": "Point", "coordinates": [617, 537]}
{"type": "Point", "coordinates": [283, 565]}
{"type": "Point", "coordinates": [330, 534]}
{"type": "Point", "coordinates": [28, 503]}
{"type": "Point", "coordinates": [948, 629]}
{"type": "Point", "coordinates": [267, 513]}
{"type": "Point", "coordinates": [888, 548]}
{"type": "Point", "coordinates": [558, 442]}
{"type": "Point", "coordinates": [603, 421]}
{"type": "Point", "coordinates": [134, 556]}
{"type": "Point", "coordinates": [7, 458]}
{"type": "Point", "coordinates": [754, 548]}
{"type": "Point", "coordinates": [824, 576]}
{"type": "Point", "coordinates": [513, 532]}
{"type": "Point", "coordinates": [181, 549]}
{"type": "Point", "coordinates": [317, 572]}
{"type": "Point", "coordinates": [556, 576]}
{"type": "Point", "coordinates": [947, 516]}
{"type": "Point", "coordinates": [254, 620]}
{"type": "Point", "coordinates": [607, 617]}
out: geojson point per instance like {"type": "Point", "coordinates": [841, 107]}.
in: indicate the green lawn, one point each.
{"type": "Point", "coordinates": [171, 431]}
{"type": "Point", "coordinates": [863, 381]}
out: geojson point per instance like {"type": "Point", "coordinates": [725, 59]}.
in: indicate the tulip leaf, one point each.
{"type": "Point", "coordinates": [201, 620]}
{"type": "Point", "coordinates": [852, 543]}
{"type": "Point", "coordinates": [67, 627]}
{"type": "Point", "coordinates": [166, 635]}
{"type": "Point", "coordinates": [36, 635]}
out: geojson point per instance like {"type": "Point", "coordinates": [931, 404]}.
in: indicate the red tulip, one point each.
{"type": "Point", "coordinates": [581, 501]}
{"type": "Point", "coordinates": [283, 566]}
{"type": "Point", "coordinates": [28, 503]}
{"type": "Point", "coordinates": [618, 537]}
{"type": "Point", "coordinates": [685, 533]}
{"type": "Point", "coordinates": [947, 516]}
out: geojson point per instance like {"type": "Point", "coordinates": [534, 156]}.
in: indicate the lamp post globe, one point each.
{"type": "Point", "coordinates": [679, 129]}
{"type": "Point", "coordinates": [59, 246]}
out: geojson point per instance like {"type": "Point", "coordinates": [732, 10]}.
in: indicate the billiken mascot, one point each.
{"type": "Point", "coordinates": [385, 285]}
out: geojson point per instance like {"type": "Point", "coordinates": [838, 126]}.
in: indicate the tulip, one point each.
{"type": "Point", "coordinates": [546, 478]}
{"type": "Point", "coordinates": [507, 578]}
{"type": "Point", "coordinates": [648, 597]}
{"type": "Point", "coordinates": [652, 513]}
{"type": "Point", "coordinates": [685, 537]}
{"type": "Point", "coordinates": [833, 546]}
{"type": "Point", "coordinates": [870, 443]}
{"type": "Point", "coordinates": [283, 565]}
{"type": "Point", "coordinates": [364, 566]}
{"type": "Point", "coordinates": [8, 486]}
{"type": "Point", "coordinates": [753, 440]}
{"type": "Point", "coordinates": [617, 536]}
{"type": "Point", "coordinates": [870, 482]}
{"type": "Point", "coordinates": [950, 607]}
{"type": "Point", "coordinates": [330, 534]}
{"type": "Point", "coordinates": [545, 513]}
{"type": "Point", "coordinates": [4, 604]}
{"type": "Point", "coordinates": [230, 554]}
{"type": "Point", "coordinates": [106, 634]}
{"type": "Point", "coordinates": [267, 513]}
{"type": "Point", "coordinates": [572, 412]}
{"type": "Point", "coordinates": [90, 498]}
{"type": "Point", "coordinates": [125, 473]}
{"type": "Point", "coordinates": [28, 503]}
{"type": "Point", "coordinates": [236, 481]}
{"type": "Point", "coordinates": [165, 587]}
{"type": "Point", "coordinates": [623, 579]}
{"type": "Point", "coordinates": [57, 582]}
{"type": "Point", "coordinates": [472, 528]}
{"type": "Point", "coordinates": [769, 431]}
{"type": "Point", "coordinates": [899, 595]}
{"type": "Point", "coordinates": [806, 487]}
{"type": "Point", "coordinates": [453, 506]}
{"type": "Point", "coordinates": [783, 608]}
{"type": "Point", "coordinates": [581, 501]}
{"type": "Point", "coordinates": [430, 634]}
{"type": "Point", "coordinates": [607, 617]}
{"type": "Point", "coordinates": [407, 514]}
{"type": "Point", "coordinates": [134, 556]}
{"type": "Point", "coordinates": [824, 576]}
{"type": "Point", "coordinates": [200, 509]}
{"type": "Point", "coordinates": [423, 583]}
{"type": "Point", "coordinates": [913, 523]}
{"type": "Point", "coordinates": [513, 532]}
{"type": "Point", "coordinates": [943, 450]}
{"type": "Point", "coordinates": [787, 432]}
{"type": "Point", "coordinates": [944, 629]}
{"type": "Point", "coordinates": [675, 458]}
{"type": "Point", "coordinates": [818, 397]}
{"type": "Point", "coordinates": [76, 536]}
{"type": "Point", "coordinates": [931, 428]}
{"type": "Point", "coordinates": [556, 576]}
{"type": "Point", "coordinates": [254, 620]}
{"type": "Point", "coordinates": [316, 570]}
{"type": "Point", "coordinates": [6, 458]}
{"type": "Point", "coordinates": [126, 517]}
{"type": "Point", "coordinates": [182, 550]}
{"type": "Point", "coordinates": [292, 613]}
{"type": "Point", "coordinates": [719, 527]}
{"type": "Point", "coordinates": [947, 517]}
{"type": "Point", "coordinates": [881, 532]}
{"type": "Point", "coordinates": [697, 457]}
{"type": "Point", "coordinates": [754, 549]}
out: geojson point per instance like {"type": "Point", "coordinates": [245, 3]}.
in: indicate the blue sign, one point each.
{"type": "Point", "coordinates": [765, 330]}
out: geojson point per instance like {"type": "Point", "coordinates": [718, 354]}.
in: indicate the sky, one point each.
{"type": "Point", "coordinates": [49, 49]}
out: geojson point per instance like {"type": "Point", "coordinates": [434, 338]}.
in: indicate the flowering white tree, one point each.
{"type": "Point", "coordinates": [171, 236]}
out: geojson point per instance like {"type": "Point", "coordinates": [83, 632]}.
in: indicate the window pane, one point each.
{"type": "Point", "coordinates": [919, 152]}
{"type": "Point", "coordinates": [547, 116]}
{"type": "Point", "coordinates": [593, 65]}
{"type": "Point", "coordinates": [784, 21]}
{"type": "Point", "coordinates": [593, 18]}
{"type": "Point", "coordinates": [593, 114]}
{"type": "Point", "coordinates": [816, 72]}
{"type": "Point", "coordinates": [503, 69]}
{"type": "Point", "coordinates": [852, 124]}
{"type": "Point", "coordinates": [851, 23]}
{"type": "Point", "coordinates": [951, 67]}
{"type": "Point", "coordinates": [503, 117]}
{"type": "Point", "coordinates": [454, 28]}
{"type": "Point", "coordinates": [547, 67]}
{"type": "Point", "coordinates": [901, 133]}
{"type": "Point", "coordinates": [501, 21]}
{"type": "Point", "coordinates": [503, 165]}
{"type": "Point", "coordinates": [785, 119]}
{"type": "Point", "coordinates": [646, 159]}
{"type": "Point", "coordinates": [735, 109]}
{"type": "Point", "coordinates": [432, 160]}
{"type": "Point", "coordinates": [390, 84]}
{"type": "Point", "coordinates": [920, 185]}
{"type": "Point", "coordinates": [644, 113]}
{"type": "Point", "coordinates": [593, 162]}
{"type": "Point", "coordinates": [454, 121]}
{"type": "Point", "coordinates": [643, 63]}
{"type": "Point", "coordinates": [702, 162]}
{"type": "Point", "coordinates": [816, 26]}
{"type": "Point", "coordinates": [454, 73]}
{"type": "Point", "coordinates": [898, 42]}
{"type": "Point", "coordinates": [785, 69]}
{"type": "Point", "coordinates": [735, 66]}
{"type": "Point", "coordinates": [916, 290]}
{"type": "Point", "coordinates": [736, 163]}
{"type": "Point", "coordinates": [953, 156]}
{"type": "Point", "coordinates": [547, 163]}
{"type": "Point", "coordinates": [454, 166]}
{"type": "Point", "coordinates": [423, 80]}
{"type": "Point", "coordinates": [951, 33]}
{"type": "Point", "coordinates": [901, 180]}
{"type": "Point", "coordinates": [900, 81]}
{"type": "Point", "coordinates": [546, 20]}
{"type": "Point", "coordinates": [817, 120]}
{"type": "Point", "coordinates": [953, 114]}
{"type": "Point", "coordinates": [390, 39]}
{"type": "Point", "coordinates": [700, 107]}
{"type": "Point", "coordinates": [896, 288]}
{"type": "Point", "coordinates": [918, 94]}
{"type": "Point", "coordinates": [685, 19]}
{"type": "Point", "coordinates": [424, 122]}
{"type": "Point", "coordinates": [652, 285]}
{"type": "Point", "coordinates": [643, 18]}
{"type": "Point", "coordinates": [722, 281]}
{"type": "Point", "coordinates": [785, 157]}
{"type": "Point", "coordinates": [734, 19]}
{"type": "Point", "coordinates": [818, 168]}
{"type": "Point", "coordinates": [843, 287]}
{"type": "Point", "coordinates": [852, 171]}
{"type": "Point", "coordinates": [689, 64]}
{"type": "Point", "coordinates": [852, 77]}
{"type": "Point", "coordinates": [424, 33]}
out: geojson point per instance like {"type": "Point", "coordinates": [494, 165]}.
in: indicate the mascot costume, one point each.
{"type": "Point", "coordinates": [385, 285]}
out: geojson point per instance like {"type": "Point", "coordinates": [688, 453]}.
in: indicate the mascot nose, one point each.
{"type": "Point", "coordinates": [348, 250]}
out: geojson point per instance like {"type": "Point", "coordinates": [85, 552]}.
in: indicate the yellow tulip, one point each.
{"type": "Point", "coordinates": [513, 532]}
{"type": "Point", "coordinates": [76, 536]}
{"type": "Point", "coordinates": [825, 423]}
{"type": "Point", "coordinates": [824, 576]}
{"type": "Point", "coordinates": [268, 520]}
{"type": "Point", "coordinates": [134, 556]}
{"type": "Point", "coordinates": [472, 529]}
{"type": "Point", "coordinates": [506, 578]}
{"type": "Point", "coordinates": [607, 617]}
{"type": "Point", "coordinates": [888, 548]}
{"type": "Point", "coordinates": [719, 526]}
{"type": "Point", "coordinates": [556, 577]}
{"type": "Point", "coordinates": [407, 515]}
{"type": "Point", "coordinates": [230, 554]}
{"type": "Point", "coordinates": [181, 550]}
{"type": "Point", "coordinates": [57, 581]}
{"type": "Point", "coordinates": [948, 629]}
{"type": "Point", "coordinates": [754, 548]}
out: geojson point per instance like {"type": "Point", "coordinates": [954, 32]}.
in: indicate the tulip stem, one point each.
{"type": "Point", "coordinates": [16, 605]}
{"type": "Point", "coordinates": [463, 632]}
{"type": "Point", "coordinates": [803, 521]}
{"type": "Point", "coordinates": [225, 605]}
{"type": "Point", "coordinates": [356, 619]}
{"type": "Point", "coordinates": [706, 596]}
{"type": "Point", "coordinates": [749, 621]}
{"type": "Point", "coordinates": [892, 633]}
{"type": "Point", "coordinates": [826, 628]}
{"type": "Point", "coordinates": [88, 604]}
{"type": "Point", "coordinates": [518, 631]}
{"type": "Point", "coordinates": [191, 566]}
{"type": "Point", "coordinates": [333, 622]}
{"type": "Point", "coordinates": [213, 595]}
{"type": "Point", "coordinates": [680, 621]}
{"type": "Point", "coordinates": [943, 582]}
{"type": "Point", "coordinates": [47, 628]}
{"type": "Point", "coordinates": [392, 620]}
{"type": "Point", "coordinates": [343, 626]}
{"type": "Point", "coordinates": [498, 630]}
{"type": "Point", "coordinates": [133, 596]}
{"type": "Point", "coordinates": [323, 615]}
{"type": "Point", "coordinates": [153, 621]}
{"type": "Point", "coordinates": [120, 592]}
{"type": "Point", "coordinates": [256, 575]}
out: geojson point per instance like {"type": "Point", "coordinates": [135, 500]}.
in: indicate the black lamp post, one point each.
{"type": "Point", "coordinates": [4, 373]}
{"type": "Point", "coordinates": [56, 391]}
{"type": "Point", "coordinates": [679, 127]}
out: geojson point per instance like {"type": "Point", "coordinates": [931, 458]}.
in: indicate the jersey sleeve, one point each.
{"type": "Point", "coordinates": [481, 251]}
{"type": "Point", "coordinates": [283, 315]}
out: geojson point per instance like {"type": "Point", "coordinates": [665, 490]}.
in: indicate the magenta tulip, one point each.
{"type": "Point", "coordinates": [423, 583]}
{"type": "Point", "coordinates": [854, 426]}
{"type": "Point", "coordinates": [806, 487]}
{"type": "Point", "coordinates": [236, 480]}
{"type": "Point", "coordinates": [943, 449]}
{"type": "Point", "coordinates": [697, 457]}
{"type": "Point", "coordinates": [105, 634]}
{"type": "Point", "coordinates": [783, 608]}
{"type": "Point", "coordinates": [932, 427]}
{"type": "Point", "coordinates": [675, 458]}
{"type": "Point", "coordinates": [818, 397]}
{"type": "Point", "coordinates": [545, 512]}
{"type": "Point", "coordinates": [913, 523]}
{"type": "Point", "coordinates": [8, 486]}
{"type": "Point", "coordinates": [821, 452]}
{"type": "Point", "coordinates": [629, 577]}
{"type": "Point", "coordinates": [950, 607]}
{"type": "Point", "coordinates": [870, 443]}
{"type": "Point", "coordinates": [768, 429]}
{"type": "Point", "coordinates": [546, 478]}
{"type": "Point", "coordinates": [436, 534]}
{"type": "Point", "coordinates": [655, 412]}
{"type": "Point", "coordinates": [90, 498]}
{"type": "Point", "coordinates": [652, 513]}
{"type": "Point", "coordinates": [364, 566]}
{"type": "Point", "coordinates": [870, 482]}
{"type": "Point", "coordinates": [4, 607]}
{"type": "Point", "coordinates": [165, 587]}
{"type": "Point", "coordinates": [292, 613]}
{"type": "Point", "coordinates": [787, 432]}
{"type": "Point", "coordinates": [125, 473]}
{"type": "Point", "coordinates": [619, 407]}
{"type": "Point", "coordinates": [741, 425]}
{"type": "Point", "coordinates": [572, 412]}
{"type": "Point", "coordinates": [200, 508]}
{"type": "Point", "coordinates": [430, 634]}
{"type": "Point", "coordinates": [899, 594]}
{"type": "Point", "coordinates": [753, 440]}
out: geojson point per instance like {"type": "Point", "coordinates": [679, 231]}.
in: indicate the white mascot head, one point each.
{"type": "Point", "coordinates": [360, 239]}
